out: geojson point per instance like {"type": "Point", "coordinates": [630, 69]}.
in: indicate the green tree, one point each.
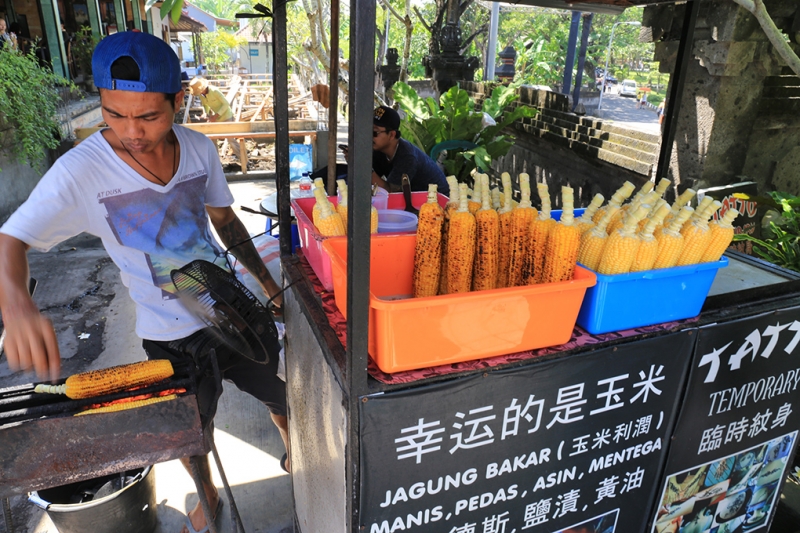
{"type": "Point", "coordinates": [217, 47]}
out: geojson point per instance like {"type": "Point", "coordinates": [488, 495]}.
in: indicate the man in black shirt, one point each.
{"type": "Point", "coordinates": [392, 157]}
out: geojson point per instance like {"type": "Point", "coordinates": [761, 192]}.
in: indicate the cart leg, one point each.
{"type": "Point", "coordinates": [235, 518]}
{"type": "Point", "coordinates": [201, 493]}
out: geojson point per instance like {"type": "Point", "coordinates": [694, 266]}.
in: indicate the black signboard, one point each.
{"type": "Point", "coordinates": [572, 444]}
{"type": "Point", "coordinates": [736, 430]}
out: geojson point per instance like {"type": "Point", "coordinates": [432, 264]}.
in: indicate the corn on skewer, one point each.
{"type": "Point", "coordinates": [449, 209]}
{"type": "Point", "coordinates": [114, 379]}
{"type": "Point", "coordinates": [661, 188]}
{"type": "Point", "coordinates": [341, 207]}
{"type": "Point", "coordinates": [533, 266]}
{"type": "Point", "coordinates": [700, 211]}
{"type": "Point", "coordinates": [504, 244]}
{"type": "Point", "coordinates": [127, 405]}
{"type": "Point", "coordinates": [643, 191]}
{"type": "Point", "coordinates": [622, 245]}
{"type": "Point", "coordinates": [562, 243]}
{"type": "Point", "coordinates": [679, 203]}
{"type": "Point", "coordinates": [621, 218]}
{"type": "Point", "coordinates": [697, 236]}
{"type": "Point", "coordinates": [670, 240]}
{"type": "Point", "coordinates": [475, 201]}
{"type": "Point", "coordinates": [487, 238]}
{"type": "Point", "coordinates": [460, 246]}
{"type": "Point", "coordinates": [617, 198]}
{"type": "Point", "coordinates": [593, 241]}
{"type": "Point", "coordinates": [648, 248]}
{"type": "Point", "coordinates": [585, 221]}
{"type": "Point", "coordinates": [428, 248]}
{"type": "Point", "coordinates": [318, 184]}
{"type": "Point", "coordinates": [721, 236]}
{"type": "Point", "coordinates": [496, 195]}
{"type": "Point", "coordinates": [330, 222]}
{"type": "Point", "coordinates": [521, 218]}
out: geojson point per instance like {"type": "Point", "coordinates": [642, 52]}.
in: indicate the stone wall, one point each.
{"type": "Point", "coordinates": [736, 121]}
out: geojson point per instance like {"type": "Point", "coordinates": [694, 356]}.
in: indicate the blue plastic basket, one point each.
{"type": "Point", "coordinates": [555, 214]}
{"type": "Point", "coordinates": [626, 301]}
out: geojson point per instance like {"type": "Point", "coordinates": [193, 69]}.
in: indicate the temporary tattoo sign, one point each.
{"type": "Point", "coordinates": [576, 443]}
{"type": "Point", "coordinates": [737, 427]}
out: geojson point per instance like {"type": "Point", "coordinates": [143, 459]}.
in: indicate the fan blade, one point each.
{"type": "Point", "coordinates": [263, 9]}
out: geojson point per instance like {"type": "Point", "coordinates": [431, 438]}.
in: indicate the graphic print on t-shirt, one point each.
{"type": "Point", "coordinates": [170, 228]}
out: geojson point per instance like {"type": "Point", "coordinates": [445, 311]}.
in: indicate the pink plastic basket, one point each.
{"type": "Point", "coordinates": [311, 240]}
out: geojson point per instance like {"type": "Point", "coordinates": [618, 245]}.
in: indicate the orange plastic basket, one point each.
{"type": "Point", "coordinates": [409, 333]}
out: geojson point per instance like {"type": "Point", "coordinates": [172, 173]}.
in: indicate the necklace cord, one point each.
{"type": "Point", "coordinates": [174, 160]}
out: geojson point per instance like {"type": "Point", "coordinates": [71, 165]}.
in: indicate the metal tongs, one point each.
{"type": "Point", "coordinates": [407, 195]}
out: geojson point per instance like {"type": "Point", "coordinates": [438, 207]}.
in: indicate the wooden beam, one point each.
{"type": "Point", "coordinates": [232, 129]}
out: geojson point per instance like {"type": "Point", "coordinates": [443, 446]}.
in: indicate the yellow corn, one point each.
{"type": "Point", "coordinates": [504, 244]}
{"type": "Point", "coordinates": [593, 241]}
{"type": "Point", "coordinates": [460, 246]}
{"type": "Point", "coordinates": [699, 212]}
{"type": "Point", "coordinates": [622, 245]}
{"type": "Point", "coordinates": [647, 200]}
{"type": "Point", "coordinates": [127, 405]}
{"type": "Point", "coordinates": [521, 218]}
{"type": "Point", "coordinates": [449, 209]}
{"type": "Point", "coordinates": [475, 201]}
{"type": "Point", "coordinates": [643, 191]}
{"type": "Point", "coordinates": [341, 207]}
{"type": "Point", "coordinates": [330, 222]}
{"type": "Point", "coordinates": [318, 184]}
{"type": "Point", "coordinates": [670, 240]}
{"type": "Point", "coordinates": [114, 379]}
{"type": "Point", "coordinates": [617, 198]}
{"type": "Point", "coordinates": [562, 243]}
{"type": "Point", "coordinates": [721, 236]}
{"type": "Point", "coordinates": [585, 223]}
{"type": "Point", "coordinates": [487, 239]}
{"type": "Point", "coordinates": [661, 188]}
{"type": "Point", "coordinates": [679, 203]}
{"type": "Point", "coordinates": [373, 220]}
{"type": "Point", "coordinates": [648, 249]}
{"type": "Point", "coordinates": [533, 265]}
{"type": "Point", "coordinates": [428, 249]}
{"type": "Point", "coordinates": [697, 235]}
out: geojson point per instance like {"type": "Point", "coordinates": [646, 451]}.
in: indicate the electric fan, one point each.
{"type": "Point", "coordinates": [220, 300]}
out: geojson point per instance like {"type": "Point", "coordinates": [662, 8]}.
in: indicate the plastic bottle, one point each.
{"type": "Point", "coordinates": [306, 186]}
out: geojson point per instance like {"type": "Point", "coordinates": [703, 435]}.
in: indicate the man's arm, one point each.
{"type": "Point", "coordinates": [30, 337]}
{"type": "Point", "coordinates": [234, 236]}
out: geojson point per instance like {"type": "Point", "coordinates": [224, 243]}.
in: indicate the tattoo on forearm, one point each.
{"type": "Point", "coordinates": [235, 237]}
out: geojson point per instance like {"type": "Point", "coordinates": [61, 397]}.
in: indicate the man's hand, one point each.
{"type": "Point", "coordinates": [30, 339]}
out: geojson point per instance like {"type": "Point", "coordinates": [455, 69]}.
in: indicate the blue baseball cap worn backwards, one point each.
{"type": "Point", "coordinates": [159, 66]}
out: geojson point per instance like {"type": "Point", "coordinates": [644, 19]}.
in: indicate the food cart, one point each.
{"type": "Point", "coordinates": [684, 425]}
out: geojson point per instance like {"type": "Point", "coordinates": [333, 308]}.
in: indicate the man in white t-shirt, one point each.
{"type": "Point", "coordinates": [148, 189]}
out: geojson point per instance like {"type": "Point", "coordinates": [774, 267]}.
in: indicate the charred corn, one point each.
{"type": "Point", "coordinates": [563, 242]}
{"type": "Point", "coordinates": [622, 245]}
{"type": "Point", "coordinates": [114, 379]}
{"type": "Point", "coordinates": [721, 236]}
{"type": "Point", "coordinates": [330, 222]}
{"type": "Point", "coordinates": [593, 241]}
{"type": "Point", "coordinates": [487, 238]}
{"type": "Point", "coordinates": [460, 246]}
{"type": "Point", "coordinates": [648, 247]}
{"type": "Point", "coordinates": [585, 222]}
{"type": "Point", "coordinates": [541, 225]}
{"type": "Point", "coordinates": [127, 405]}
{"type": "Point", "coordinates": [504, 245]}
{"type": "Point", "coordinates": [521, 218]}
{"type": "Point", "coordinates": [428, 249]}
{"type": "Point", "coordinates": [449, 209]}
{"type": "Point", "coordinates": [670, 240]}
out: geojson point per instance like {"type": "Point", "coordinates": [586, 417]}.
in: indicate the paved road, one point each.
{"type": "Point", "coordinates": [623, 111]}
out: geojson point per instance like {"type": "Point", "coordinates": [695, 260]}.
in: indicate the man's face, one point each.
{"type": "Point", "coordinates": [380, 138]}
{"type": "Point", "coordinates": [140, 120]}
{"type": "Point", "coordinates": [2, 26]}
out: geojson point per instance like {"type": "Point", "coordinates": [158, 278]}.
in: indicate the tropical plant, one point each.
{"type": "Point", "coordinates": [455, 118]}
{"type": "Point", "coordinates": [217, 47]}
{"type": "Point", "coordinates": [781, 242]}
{"type": "Point", "coordinates": [83, 48]}
{"type": "Point", "coordinates": [28, 100]}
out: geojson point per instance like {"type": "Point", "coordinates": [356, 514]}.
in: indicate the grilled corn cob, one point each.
{"type": "Point", "coordinates": [428, 249]}
{"type": "Point", "coordinates": [521, 218]}
{"type": "Point", "coordinates": [330, 222]}
{"type": "Point", "coordinates": [114, 379]}
{"type": "Point", "coordinates": [670, 240]}
{"type": "Point", "coordinates": [484, 274]}
{"type": "Point", "coordinates": [622, 245]}
{"type": "Point", "coordinates": [127, 405]}
{"type": "Point", "coordinates": [496, 195]}
{"type": "Point", "coordinates": [460, 246]}
{"type": "Point", "coordinates": [449, 209]}
{"type": "Point", "coordinates": [475, 201]}
{"type": "Point", "coordinates": [721, 236]}
{"type": "Point", "coordinates": [617, 198]}
{"type": "Point", "coordinates": [504, 244]}
{"type": "Point", "coordinates": [593, 241]}
{"type": "Point", "coordinates": [648, 248]}
{"type": "Point", "coordinates": [563, 242]}
{"type": "Point", "coordinates": [533, 266]}
{"type": "Point", "coordinates": [697, 236]}
{"type": "Point", "coordinates": [585, 221]}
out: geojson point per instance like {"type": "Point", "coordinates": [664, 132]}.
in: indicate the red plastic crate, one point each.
{"type": "Point", "coordinates": [311, 240]}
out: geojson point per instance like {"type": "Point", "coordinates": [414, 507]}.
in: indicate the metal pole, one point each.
{"type": "Point", "coordinates": [362, 88]}
{"type": "Point", "coordinates": [569, 64]}
{"type": "Point", "coordinates": [491, 50]}
{"type": "Point", "coordinates": [587, 28]}
{"type": "Point", "coordinates": [333, 103]}
{"type": "Point", "coordinates": [280, 90]}
{"type": "Point", "coordinates": [677, 82]}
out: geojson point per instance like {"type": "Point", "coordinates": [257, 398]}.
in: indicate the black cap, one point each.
{"type": "Point", "coordinates": [387, 118]}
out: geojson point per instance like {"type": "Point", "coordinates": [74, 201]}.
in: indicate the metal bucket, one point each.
{"type": "Point", "coordinates": [121, 505]}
